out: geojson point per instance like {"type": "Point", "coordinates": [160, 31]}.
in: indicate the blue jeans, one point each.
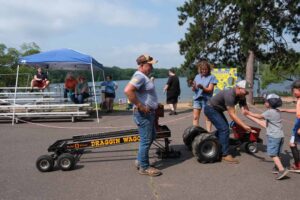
{"type": "Point", "coordinates": [70, 94]}
{"type": "Point", "coordinates": [295, 130]}
{"type": "Point", "coordinates": [81, 97]}
{"type": "Point", "coordinates": [146, 127]}
{"type": "Point", "coordinates": [220, 122]}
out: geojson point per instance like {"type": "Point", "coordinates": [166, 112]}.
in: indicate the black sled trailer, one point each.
{"type": "Point", "coordinates": [66, 153]}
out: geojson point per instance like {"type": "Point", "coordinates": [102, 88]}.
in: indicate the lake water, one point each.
{"type": "Point", "coordinates": [186, 92]}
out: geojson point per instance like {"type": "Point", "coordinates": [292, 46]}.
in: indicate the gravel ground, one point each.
{"type": "Point", "coordinates": [109, 173]}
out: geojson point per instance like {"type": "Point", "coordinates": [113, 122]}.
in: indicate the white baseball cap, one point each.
{"type": "Point", "coordinates": [274, 100]}
{"type": "Point", "coordinates": [244, 84]}
{"type": "Point", "coordinates": [272, 96]}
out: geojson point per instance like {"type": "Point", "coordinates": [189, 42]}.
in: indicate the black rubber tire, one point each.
{"type": "Point", "coordinates": [243, 147]}
{"type": "Point", "coordinates": [206, 148]}
{"type": "Point", "coordinates": [190, 133]}
{"type": "Point", "coordinates": [45, 163]}
{"type": "Point", "coordinates": [251, 147]}
{"type": "Point", "coordinates": [66, 162]}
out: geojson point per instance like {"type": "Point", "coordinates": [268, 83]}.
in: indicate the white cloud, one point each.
{"type": "Point", "coordinates": [118, 15]}
{"type": "Point", "coordinates": [124, 56]}
{"type": "Point", "coordinates": [179, 2]}
{"type": "Point", "coordinates": [59, 23]}
{"type": "Point", "coordinates": [40, 18]}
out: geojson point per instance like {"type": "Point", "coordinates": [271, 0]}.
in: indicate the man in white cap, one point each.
{"type": "Point", "coordinates": [141, 92]}
{"type": "Point", "coordinates": [226, 100]}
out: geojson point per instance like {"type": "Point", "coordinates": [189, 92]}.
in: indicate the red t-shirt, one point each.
{"type": "Point", "coordinates": [71, 84]}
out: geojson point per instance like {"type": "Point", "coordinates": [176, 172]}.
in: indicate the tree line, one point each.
{"type": "Point", "coordinates": [9, 57]}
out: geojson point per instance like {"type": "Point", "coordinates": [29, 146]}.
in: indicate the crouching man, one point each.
{"type": "Point", "coordinates": [226, 100]}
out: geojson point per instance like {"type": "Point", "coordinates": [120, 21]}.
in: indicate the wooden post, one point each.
{"type": "Point", "coordinates": [249, 74]}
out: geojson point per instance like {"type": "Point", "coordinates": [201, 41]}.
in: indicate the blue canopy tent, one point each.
{"type": "Point", "coordinates": [66, 59]}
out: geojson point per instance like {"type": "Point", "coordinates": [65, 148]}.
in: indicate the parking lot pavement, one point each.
{"type": "Point", "coordinates": [109, 173]}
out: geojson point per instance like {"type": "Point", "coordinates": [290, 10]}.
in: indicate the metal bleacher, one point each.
{"type": "Point", "coordinates": [39, 104]}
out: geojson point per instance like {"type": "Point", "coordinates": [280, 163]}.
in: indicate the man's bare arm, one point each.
{"type": "Point", "coordinates": [260, 122]}
{"type": "Point", "coordinates": [287, 110]}
{"type": "Point", "coordinates": [130, 93]}
{"type": "Point", "coordinates": [236, 119]}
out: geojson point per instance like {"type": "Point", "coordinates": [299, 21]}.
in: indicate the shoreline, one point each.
{"type": "Point", "coordinates": [188, 104]}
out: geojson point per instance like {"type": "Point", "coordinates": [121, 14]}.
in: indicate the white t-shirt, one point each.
{"type": "Point", "coordinates": [145, 93]}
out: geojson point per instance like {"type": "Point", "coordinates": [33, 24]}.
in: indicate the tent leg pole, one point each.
{"type": "Point", "coordinates": [94, 88]}
{"type": "Point", "coordinates": [15, 95]}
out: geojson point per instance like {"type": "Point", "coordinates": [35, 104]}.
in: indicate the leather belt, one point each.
{"type": "Point", "coordinates": [136, 109]}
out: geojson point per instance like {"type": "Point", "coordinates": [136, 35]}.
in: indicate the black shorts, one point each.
{"type": "Point", "coordinates": [110, 95]}
{"type": "Point", "coordinates": [172, 98]}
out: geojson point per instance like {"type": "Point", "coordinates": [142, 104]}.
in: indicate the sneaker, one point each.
{"type": "Point", "coordinates": [275, 170]}
{"type": "Point", "coordinates": [282, 174]}
{"type": "Point", "coordinates": [175, 113]}
{"type": "Point", "coordinates": [230, 159]}
{"type": "Point", "coordinates": [150, 171]}
{"type": "Point", "coordinates": [295, 168]}
{"type": "Point", "coordinates": [137, 164]}
{"type": "Point", "coordinates": [171, 113]}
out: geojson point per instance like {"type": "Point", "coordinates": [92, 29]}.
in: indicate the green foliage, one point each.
{"type": "Point", "coordinates": [30, 49]}
{"type": "Point", "coordinates": [9, 59]}
{"type": "Point", "coordinates": [125, 74]}
{"type": "Point", "coordinates": [279, 74]}
{"type": "Point", "coordinates": [118, 73]}
{"type": "Point", "coordinates": [224, 31]}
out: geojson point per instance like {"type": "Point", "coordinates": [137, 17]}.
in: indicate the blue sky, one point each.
{"type": "Point", "coordinates": [115, 32]}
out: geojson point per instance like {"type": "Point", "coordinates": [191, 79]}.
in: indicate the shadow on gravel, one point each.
{"type": "Point", "coordinates": [285, 156]}
{"type": "Point", "coordinates": [100, 156]}
{"type": "Point", "coordinates": [108, 155]}
{"type": "Point", "coordinates": [185, 154]}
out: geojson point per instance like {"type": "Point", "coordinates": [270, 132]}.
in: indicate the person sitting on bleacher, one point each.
{"type": "Point", "coordinates": [70, 86]}
{"type": "Point", "coordinates": [82, 90]}
{"type": "Point", "coordinates": [40, 80]}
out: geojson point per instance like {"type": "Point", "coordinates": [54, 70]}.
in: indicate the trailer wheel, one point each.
{"type": "Point", "coordinates": [190, 133]}
{"type": "Point", "coordinates": [45, 163]}
{"type": "Point", "coordinates": [251, 147]}
{"type": "Point", "coordinates": [66, 161]}
{"type": "Point", "coordinates": [206, 148]}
